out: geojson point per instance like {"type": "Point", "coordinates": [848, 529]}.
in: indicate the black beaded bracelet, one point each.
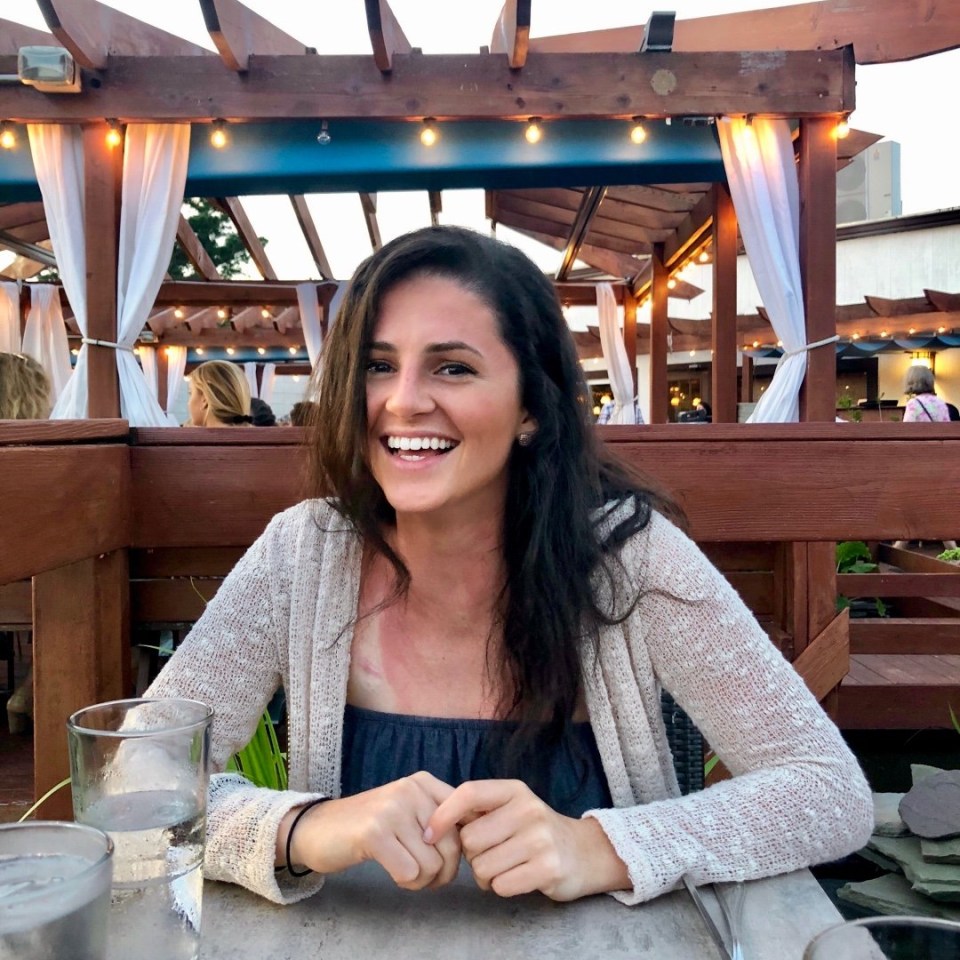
{"type": "Point", "coordinates": [293, 826]}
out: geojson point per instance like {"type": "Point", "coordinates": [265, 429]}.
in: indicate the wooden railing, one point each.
{"type": "Point", "coordinates": [118, 526]}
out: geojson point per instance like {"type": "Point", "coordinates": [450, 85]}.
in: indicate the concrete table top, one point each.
{"type": "Point", "coordinates": [361, 915]}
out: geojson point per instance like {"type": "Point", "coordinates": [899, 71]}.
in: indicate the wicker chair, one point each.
{"type": "Point", "coordinates": [686, 745]}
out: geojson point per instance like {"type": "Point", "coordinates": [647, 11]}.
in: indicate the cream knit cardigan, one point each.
{"type": "Point", "coordinates": [285, 615]}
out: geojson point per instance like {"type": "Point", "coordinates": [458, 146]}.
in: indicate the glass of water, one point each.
{"type": "Point", "coordinates": [887, 938]}
{"type": "Point", "coordinates": [139, 771]}
{"type": "Point", "coordinates": [54, 891]}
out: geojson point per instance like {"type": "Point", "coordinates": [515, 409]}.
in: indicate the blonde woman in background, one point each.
{"type": "Point", "coordinates": [24, 388]}
{"type": "Point", "coordinates": [24, 395]}
{"type": "Point", "coordinates": [219, 396]}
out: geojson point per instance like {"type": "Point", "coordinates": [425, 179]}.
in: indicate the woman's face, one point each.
{"type": "Point", "coordinates": [196, 404]}
{"type": "Point", "coordinates": [443, 402]}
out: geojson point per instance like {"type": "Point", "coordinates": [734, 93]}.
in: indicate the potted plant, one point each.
{"type": "Point", "coordinates": [853, 556]}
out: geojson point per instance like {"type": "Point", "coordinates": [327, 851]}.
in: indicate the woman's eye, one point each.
{"type": "Point", "coordinates": [454, 369]}
{"type": "Point", "coordinates": [378, 366]}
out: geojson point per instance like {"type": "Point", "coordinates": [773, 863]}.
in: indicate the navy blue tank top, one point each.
{"type": "Point", "coordinates": [381, 747]}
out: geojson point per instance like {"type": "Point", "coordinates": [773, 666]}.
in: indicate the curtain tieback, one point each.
{"type": "Point", "coordinates": [813, 346]}
{"type": "Point", "coordinates": [106, 343]}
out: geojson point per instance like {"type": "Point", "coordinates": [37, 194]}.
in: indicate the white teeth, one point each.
{"type": "Point", "coordinates": [419, 443]}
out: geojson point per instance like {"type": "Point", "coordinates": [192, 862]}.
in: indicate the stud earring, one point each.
{"type": "Point", "coordinates": [525, 439]}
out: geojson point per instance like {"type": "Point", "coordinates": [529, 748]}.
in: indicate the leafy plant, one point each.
{"type": "Point", "coordinates": [261, 761]}
{"type": "Point", "coordinates": [951, 556]}
{"type": "Point", "coordinates": [853, 556]}
{"type": "Point", "coordinates": [953, 718]}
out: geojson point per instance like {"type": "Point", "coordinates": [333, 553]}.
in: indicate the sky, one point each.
{"type": "Point", "coordinates": [902, 101]}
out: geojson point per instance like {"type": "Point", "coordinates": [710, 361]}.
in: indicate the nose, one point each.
{"type": "Point", "coordinates": [409, 395]}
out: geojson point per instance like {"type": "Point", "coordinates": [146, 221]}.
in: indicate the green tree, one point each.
{"type": "Point", "coordinates": [218, 237]}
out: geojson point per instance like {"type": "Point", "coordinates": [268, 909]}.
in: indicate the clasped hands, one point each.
{"type": "Point", "coordinates": [418, 828]}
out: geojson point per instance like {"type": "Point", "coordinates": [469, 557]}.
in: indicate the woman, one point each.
{"type": "Point", "coordinates": [473, 630]}
{"type": "Point", "coordinates": [219, 396]}
{"type": "Point", "coordinates": [924, 405]}
{"type": "Point", "coordinates": [24, 388]}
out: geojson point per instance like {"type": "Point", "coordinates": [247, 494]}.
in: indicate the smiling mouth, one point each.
{"type": "Point", "coordinates": [418, 448]}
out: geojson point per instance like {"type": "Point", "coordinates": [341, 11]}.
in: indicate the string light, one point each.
{"type": "Point", "coordinates": [8, 136]}
{"type": "Point", "coordinates": [218, 136]}
{"type": "Point", "coordinates": [231, 351]}
{"type": "Point", "coordinates": [912, 330]}
{"type": "Point", "coordinates": [265, 313]}
{"type": "Point", "coordinates": [842, 129]}
{"type": "Point", "coordinates": [199, 351]}
{"type": "Point", "coordinates": [222, 313]}
{"type": "Point", "coordinates": [533, 133]}
{"type": "Point", "coordinates": [113, 137]}
{"type": "Point", "coordinates": [941, 329]}
{"type": "Point", "coordinates": [293, 351]}
{"type": "Point", "coordinates": [261, 350]}
{"type": "Point", "coordinates": [704, 257]}
{"type": "Point", "coordinates": [856, 336]}
{"type": "Point", "coordinates": [178, 313]}
{"type": "Point", "coordinates": [671, 283]}
{"type": "Point", "coordinates": [428, 134]}
{"type": "Point", "coordinates": [638, 133]}
{"type": "Point", "coordinates": [323, 137]}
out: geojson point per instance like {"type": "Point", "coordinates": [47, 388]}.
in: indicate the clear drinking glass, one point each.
{"type": "Point", "coordinates": [54, 891]}
{"type": "Point", "coordinates": [139, 771]}
{"type": "Point", "coordinates": [887, 938]}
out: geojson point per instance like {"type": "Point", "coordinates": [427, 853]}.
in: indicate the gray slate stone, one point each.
{"type": "Point", "coordinates": [893, 895]}
{"type": "Point", "coordinates": [931, 809]}
{"type": "Point", "coordinates": [938, 880]}
{"type": "Point", "coordinates": [886, 815]}
{"type": "Point", "coordinates": [941, 851]}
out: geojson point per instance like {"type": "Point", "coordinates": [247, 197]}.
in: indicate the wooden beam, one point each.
{"type": "Point", "coordinates": [234, 210]}
{"type": "Point", "coordinates": [690, 233]}
{"type": "Point", "coordinates": [386, 35]}
{"type": "Point", "coordinates": [436, 206]}
{"type": "Point", "coordinates": [310, 234]}
{"type": "Point", "coordinates": [630, 335]}
{"type": "Point", "coordinates": [201, 293]}
{"type": "Point", "coordinates": [102, 184]}
{"type": "Point", "coordinates": [195, 251]}
{"type": "Point", "coordinates": [368, 202]}
{"type": "Point", "coordinates": [238, 33]}
{"type": "Point", "coordinates": [818, 264]}
{"type": "Point", "coordinates": [826, 660]}
{"type": "Point", "coordinates": [746, 379]}
{"type": "Point", "coordinates": [13, 36]}
{"type": "Point", "coordinates": [723, 382]}
{"type": "Point", "coordinates": [658, 338]}
{"type": "Point", "coordinates": [610, 262]}
{"type": "Point", "coordinates": [511, 35]}
{"type": "Point", "coordinates": [92, 32]}
{"type": "Point", "coordinates": [894, 30]}
{"type": "Point", "coordinates": [592, 198]}
{"type": "Point", "coordinates": [165, 89]}
{"type": "Point", "coordinates": [15, 214]}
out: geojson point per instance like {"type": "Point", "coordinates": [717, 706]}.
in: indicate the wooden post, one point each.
{"type": "Point", "coordinates": [724, 385]}
{"type": "Point", "coordinates": [26, 296]}
{"type": "Point", "coordinates": [658, 338]}
{"type": "Point", "coordinates": [102, 172]}
{"type": "Point", "coordinates": [818, 265]}
{"type": "Point", "coordinates": [746, 379]}
{"type": "Point", "coordinates": [163, 365]}
{"type": "Point", "coordinates": [630, 334]}
{"type": "Point", "coordinates": [81, 650]}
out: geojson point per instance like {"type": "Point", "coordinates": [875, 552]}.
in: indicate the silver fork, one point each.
{"type": "Point", "coordinates": [732, 913]}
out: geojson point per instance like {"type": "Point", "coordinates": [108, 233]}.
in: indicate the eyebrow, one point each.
{"type": "Point", "coordinates": [448, 346]}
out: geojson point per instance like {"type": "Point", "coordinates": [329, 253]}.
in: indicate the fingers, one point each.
{"type": "Point", "coordinates": [470, 800]}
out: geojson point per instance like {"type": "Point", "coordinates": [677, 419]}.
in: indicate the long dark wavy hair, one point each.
{"type": "Point", "coordinates": [552, 545]}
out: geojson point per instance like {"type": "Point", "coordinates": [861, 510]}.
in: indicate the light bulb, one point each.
{"type": "Point", "coordinates": [218, 136]}
{"type": "Point", "coordinates": [704, 257]}
{"type": "Point", "coordinates": [323, 137]}
{"type": "Point", "coordinates": [114, 137]}
{"type": "Point", "coordinates": [199, 351]}
{"type": "Point", "coordinates": [261, 350]}
{"type": "Point", "coordinates": [429, 135]}
{"type": "Point", "coordinates": [842, 129]}
{"type": "Point", "coordinates": [293, 351]}
{"type": "Point", "coordinates": [533, 132]}
{"type": "Point", "coordinates": [231, 351]}
{"type": "Point", "coordinates": [265, 314]}
{"type": "Point", "coordinates": [178, 313]}
{"type": "Point", "coordinates": [638, 132]}
{"type": "Point", "coordinates": [8, 139]}
{"type": "Point", "coordinates": [221, 313]}
{"type": "Point", "coordinates": [671, 284]}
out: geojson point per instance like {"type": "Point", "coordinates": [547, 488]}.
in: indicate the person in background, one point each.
{"type": "Point", "coordinates": [24, 388]}
{"type": "Point", "coordinates": [219, 396]}
{"type": "Point", "coordinates": [262, 413]}
{"type": "Point", "coordinates": [924, 406]}
{"type": "Point", "coordinates": [473, 619]}
{"type": "Point", "coordinates": [24, 395]}
{"type": "Point", "coordinates": [301, 414]}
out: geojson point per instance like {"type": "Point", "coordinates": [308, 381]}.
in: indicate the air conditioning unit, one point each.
{"type": "Point", "coordinates": [48, 69]}
{"type": "Point", "coordinates": [868, 188]}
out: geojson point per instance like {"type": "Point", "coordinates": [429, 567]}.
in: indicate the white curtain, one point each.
{"type": "Point", "coordinates": [267, 382]}
{"type": "Point", "coordinates": [154, 176]}
{"type": "Point", "coordinates": [250, 369]}
{"type": "Point", "coordinates": [758, 160]}
{"type": "Point", "coordinates": [615, 357]}
{"type": "Point", "coordinates": [45, 336]}
{"type": "Point", "coordinates": [57, 152]}
{"type": "Point", "coordinates": [9, 317]}
{"type": "Point", "coordinates": [176, 365]}
{"type": "Point", "coordinates": [309, 305]}
{"type": "Point", "coordinates": [148, 361]}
